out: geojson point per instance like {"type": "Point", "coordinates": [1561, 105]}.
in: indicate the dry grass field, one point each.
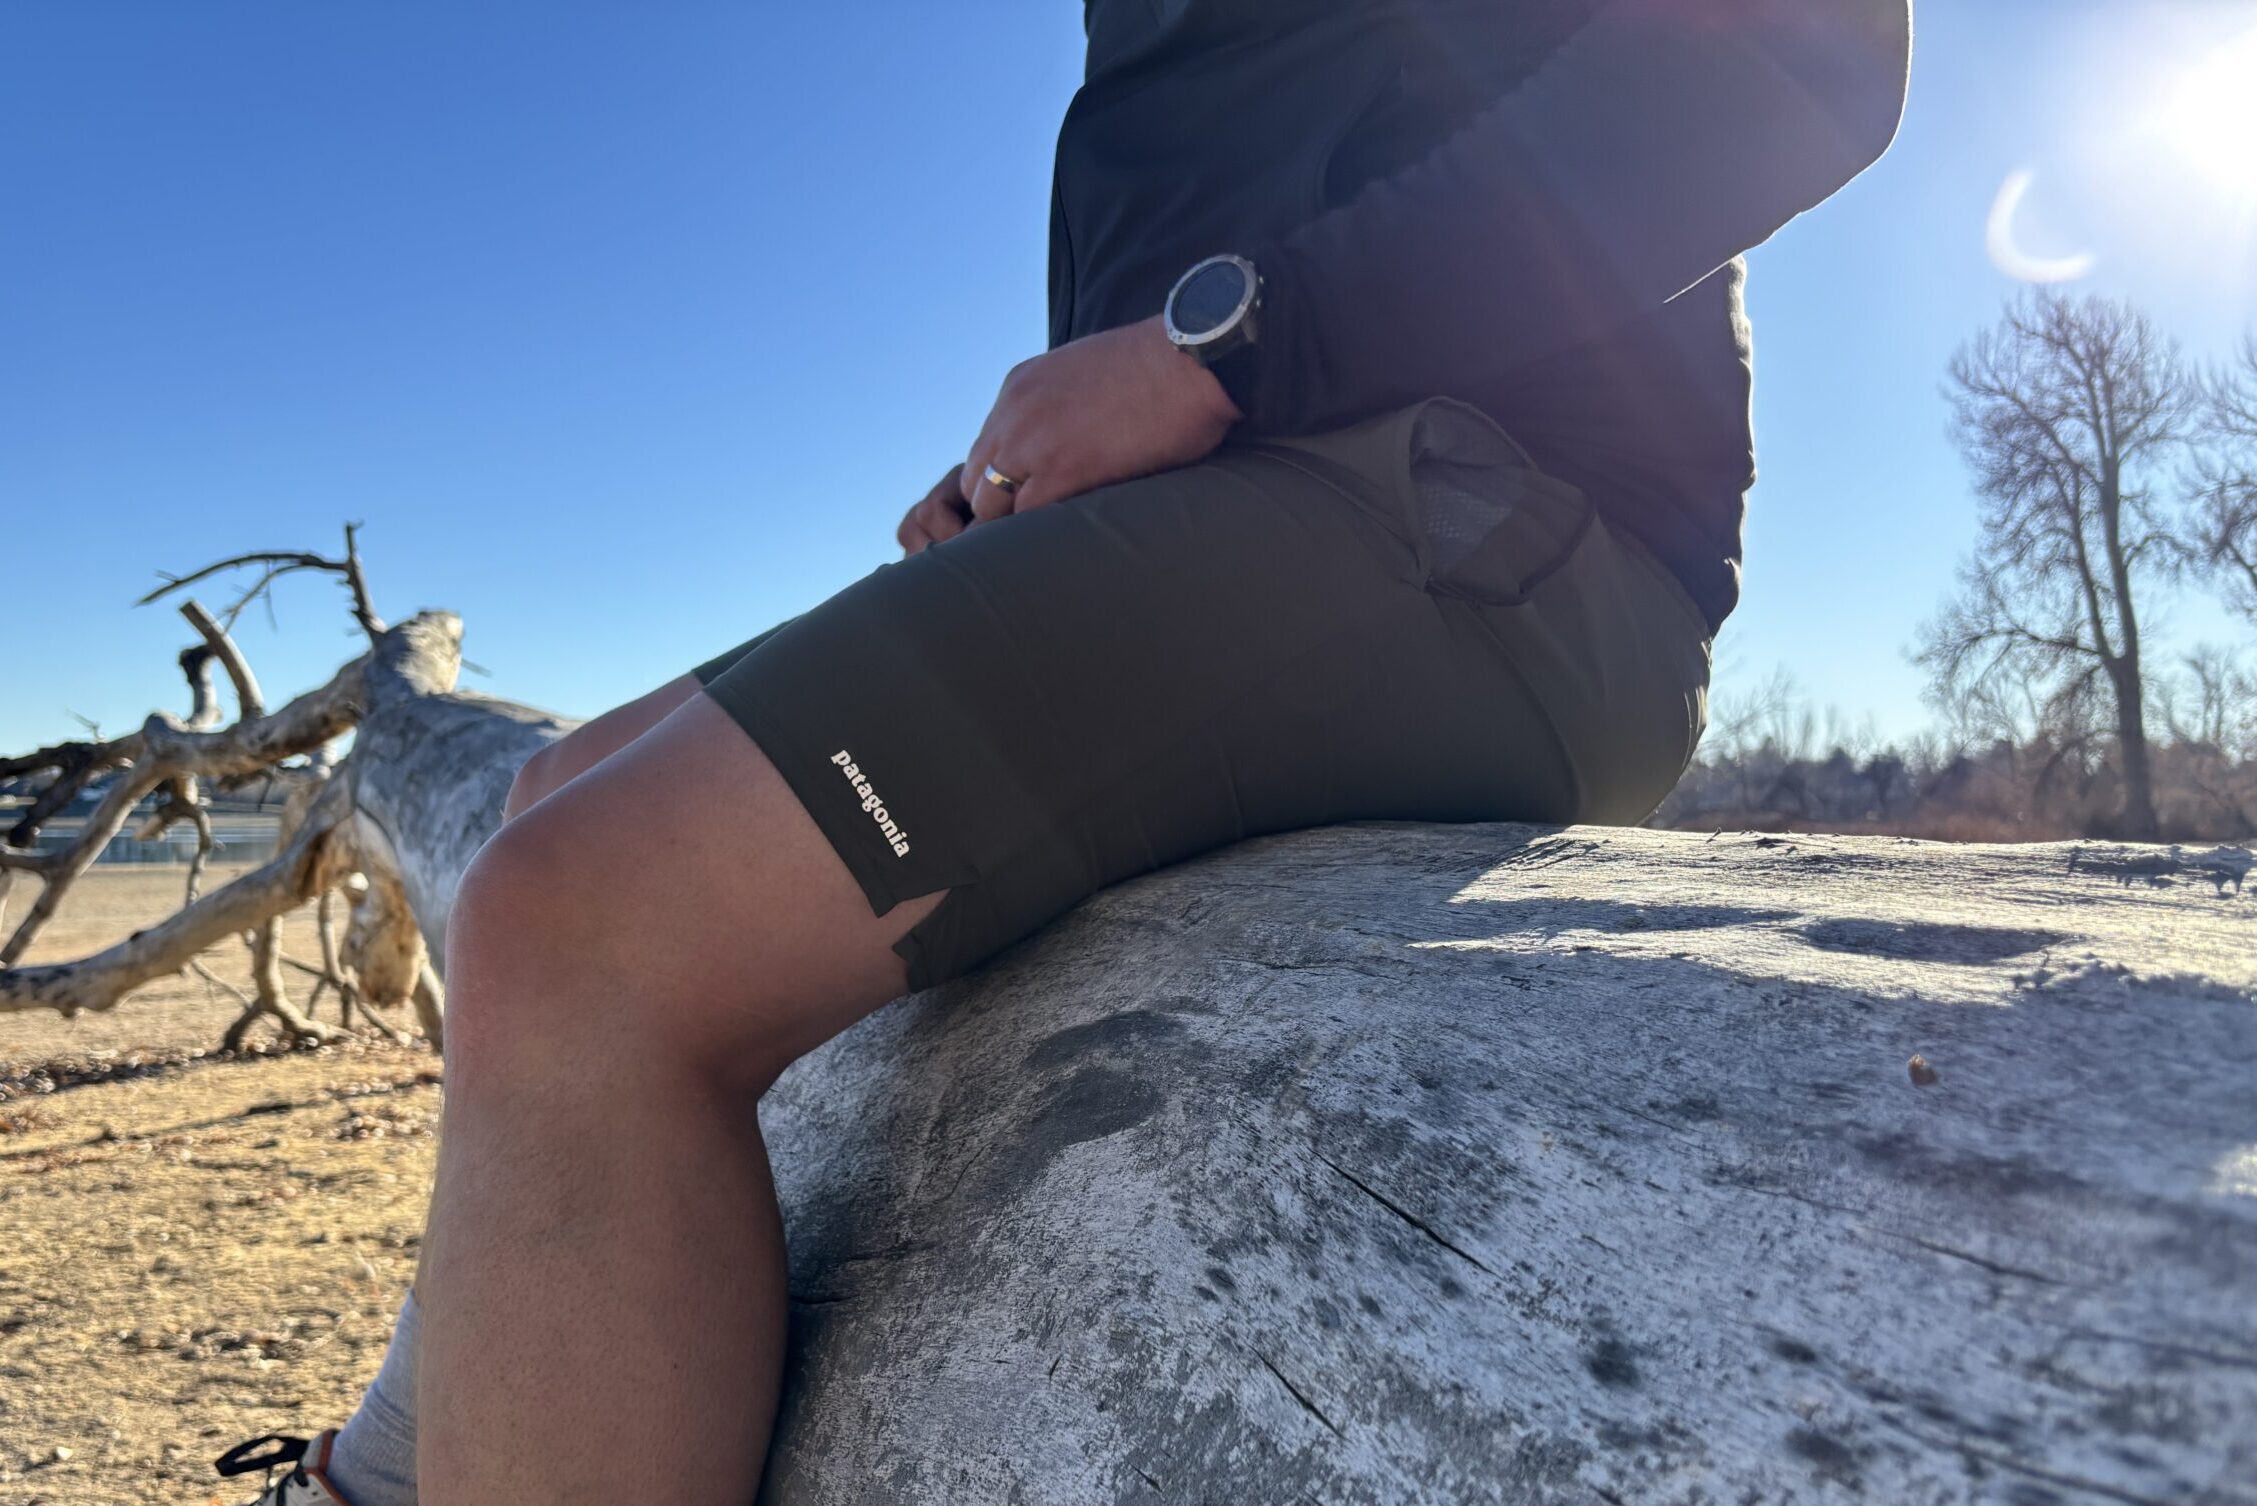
{"type": "Point", "coordinates": [198, 1249]}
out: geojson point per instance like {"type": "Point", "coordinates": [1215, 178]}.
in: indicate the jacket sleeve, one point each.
{"type": "Point", "coordinates": [1661, 140]}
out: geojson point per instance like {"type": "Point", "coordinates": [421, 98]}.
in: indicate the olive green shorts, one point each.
{"type": "Point", "coordinates": [1399, 620]}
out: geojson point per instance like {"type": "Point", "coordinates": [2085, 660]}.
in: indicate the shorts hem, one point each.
{"type": "Point", "coordinates": [924, 961]}
{"type": "Point", "coordinates": [811, 780]}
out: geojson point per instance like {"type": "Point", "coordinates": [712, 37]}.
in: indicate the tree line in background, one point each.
{"type": "Point", "coordinates": [2108, 466]}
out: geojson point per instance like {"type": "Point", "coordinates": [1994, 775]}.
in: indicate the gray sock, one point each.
{"type": "Point", "coordinates": [373, 1460]}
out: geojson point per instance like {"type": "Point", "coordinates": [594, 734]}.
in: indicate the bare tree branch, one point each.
{"type": "Point", "coordinates": [229, 655]}
{"type": "Point", "coordinates": [280, 563]}
{"type": "Point", "coordinates": [2224, 544]}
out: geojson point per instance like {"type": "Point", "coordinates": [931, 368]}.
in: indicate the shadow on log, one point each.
{"type": "Point", "coordinates": [1400, 1163]}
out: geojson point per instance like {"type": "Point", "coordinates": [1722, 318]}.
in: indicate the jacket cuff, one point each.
{"type": "Point", "coordinates": [1259, 376]}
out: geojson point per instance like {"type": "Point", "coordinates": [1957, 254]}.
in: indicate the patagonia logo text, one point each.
{"type": "Point", "coordinates": [871, 803]}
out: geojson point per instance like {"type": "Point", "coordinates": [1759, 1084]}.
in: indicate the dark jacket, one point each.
{"type": "Point", "coordinates": [1535, 205]}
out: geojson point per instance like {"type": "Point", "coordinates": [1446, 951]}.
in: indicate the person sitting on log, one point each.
{"type": "Point", "coordinates": [1388, 460]}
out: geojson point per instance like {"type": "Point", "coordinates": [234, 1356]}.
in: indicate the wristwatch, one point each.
{"type": "Point", "coordinates": [1211, 310]}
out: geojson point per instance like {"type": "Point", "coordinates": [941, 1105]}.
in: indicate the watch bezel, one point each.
{"type": "Point", "coordinates": [1232, 324]}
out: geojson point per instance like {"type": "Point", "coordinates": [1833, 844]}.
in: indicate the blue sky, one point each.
{"type": "Point", "coordinates": [628, 330]}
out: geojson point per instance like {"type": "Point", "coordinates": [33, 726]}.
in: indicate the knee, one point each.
{"type": "Point", "coordinates": [531, 782]}
{"type": "Point", "coordinates": [564, 966]}
{"type": "Point", "coordinates": [527, 943]}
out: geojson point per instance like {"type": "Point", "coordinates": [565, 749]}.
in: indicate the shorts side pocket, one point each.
{"type": "Point", "coordinates": [1488, 525]}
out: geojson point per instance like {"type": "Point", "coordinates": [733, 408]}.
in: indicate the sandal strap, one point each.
{"type": "Point", "coordinates": [241, 1460]}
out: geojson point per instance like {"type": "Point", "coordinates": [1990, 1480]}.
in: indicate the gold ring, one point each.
{"type": "Point", "coordinates": [1001, 482]}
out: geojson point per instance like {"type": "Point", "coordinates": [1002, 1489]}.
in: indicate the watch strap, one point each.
{"type": "Point", "coordinates": [1239, 371]}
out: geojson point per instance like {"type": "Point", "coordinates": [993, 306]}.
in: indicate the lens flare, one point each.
{"type": "Point", "coordinates": [2210, 118]}
{"type": "Point", "coordinates": [2005, 245]}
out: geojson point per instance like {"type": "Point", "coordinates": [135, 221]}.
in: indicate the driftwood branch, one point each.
{"type": "Point", "coordinates": [280, 562]}
{"type": "Point", "coordinates": [230, 656]}
{"type": "Point", "coordinates": [197, 864]}
{"type": "Point", "coordinates": [431, 1004]}
{"type": "Point", "coordinates": [98, 982]}
{"type": "Point", "coordinates": [171, 755]}
{"type": "Point", "coordinates": [170, 758]}
{"type": "Point", "coordinates": [269, 998]}
{"type": "Point", "coordinates": [74, 765]}
{"type": "Point", "coordinates": [204, 710]}
{"type": "Point", "coordinates": [392, 827]}
{"type": "Point", "coordinates": [330, 974]}
{"type": "Point", "coordinates": [165, 750]}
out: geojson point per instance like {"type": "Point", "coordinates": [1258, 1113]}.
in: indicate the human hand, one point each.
{"type": "Point", "coordinates": [1123, 402]}
{"type": "Point", "coordinates": [941, 515]}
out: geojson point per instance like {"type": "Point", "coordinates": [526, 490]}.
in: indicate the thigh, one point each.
{"type": "Point", "coordinates": [1049, 703]}
{"type": "Point", "coordinates": [1245, 689]}
{"type": "Point", "coordinates": [597, 739]}
{"type": "Point", "coordinates": [695, 895]}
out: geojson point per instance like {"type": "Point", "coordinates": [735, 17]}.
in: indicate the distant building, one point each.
{"type": "Point", "coordinates": [245, 826]}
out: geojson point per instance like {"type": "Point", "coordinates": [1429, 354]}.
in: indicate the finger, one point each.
{"type": "Point", "coordinates": [911, 537]}
{"type": "Point", "coordinates": [992, 501]}
{"type": "Point", "coordinates": [968, 474]}
{"type": "Point", "coordinates": [1041, 491]}
{"type": "Point", "coordinates": [941, 517]}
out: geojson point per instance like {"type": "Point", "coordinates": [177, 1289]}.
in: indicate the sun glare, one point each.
{"type": "Point", "coordinates": [2211, 117]}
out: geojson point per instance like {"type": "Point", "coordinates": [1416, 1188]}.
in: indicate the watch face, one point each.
{"type": "Point", "coordinates": [1206, 302]}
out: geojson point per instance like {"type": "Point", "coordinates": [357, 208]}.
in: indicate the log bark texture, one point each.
{"type": "Point", "coordinates": [431, 767]}
{"type": "Point", "coordinates": [1398, 1163]}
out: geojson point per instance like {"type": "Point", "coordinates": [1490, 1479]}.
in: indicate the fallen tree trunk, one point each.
{"type": "Point", "coordinates": [1392, 1163]}
{"type": "Point", "coordinates": [424, 785]}
{"type": "Point", "coordinates": [1425, 1164]}
{"type": "Point", "coordinates": [431, 768]}
{"type": "Point", "coordinates": [393, 827]}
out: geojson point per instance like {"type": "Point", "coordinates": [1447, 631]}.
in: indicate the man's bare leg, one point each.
{"type": "Point", "coordinates": [593, 741]}
{"type": "Point", "coordinates": [603, 1272]}
{"type": "Point", "coordinates": [374, 1456]}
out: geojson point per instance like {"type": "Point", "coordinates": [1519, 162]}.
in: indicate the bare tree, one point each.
{"type": "Point", "coordinates": [2074, 415]}
{"type": "Point", "coordinates": [2225, 535]}
{"type": "Point", "coordinates": [389, 828]}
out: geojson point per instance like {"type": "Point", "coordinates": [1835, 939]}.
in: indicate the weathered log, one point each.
{"type": "Point", "coordinates": [166, 750]}
{"type": "Point", "coordinates": [1391, 1163]}
{"type": "Point", "coordinates": [293, 876]}
{"type": "Point", "coordinates": [425, 784]}
{"type": "Point", "coordinates": [452, 756]}
{"type": "Point", "coordinates": [1424, 1164]}
{"type": "Point", "coordinates": [431, 767]}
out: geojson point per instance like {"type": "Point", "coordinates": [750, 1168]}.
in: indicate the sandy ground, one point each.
{"type": "Point", "coordinates": [198, 1249]}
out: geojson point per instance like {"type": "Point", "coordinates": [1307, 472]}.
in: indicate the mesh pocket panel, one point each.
{"type": "Point", "coordinates": [1492, 525]}
{"type": "Point", "coordinates": [1458, 507]}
